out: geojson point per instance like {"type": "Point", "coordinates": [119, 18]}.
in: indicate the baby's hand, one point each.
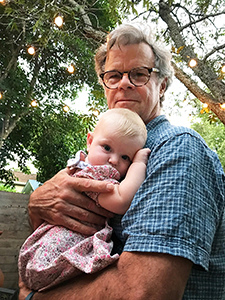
{"type": "Point", "coordinates": [142, 155]}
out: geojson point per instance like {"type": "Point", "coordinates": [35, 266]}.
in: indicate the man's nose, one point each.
{"type": "Point", "coordinates": [125, 82]}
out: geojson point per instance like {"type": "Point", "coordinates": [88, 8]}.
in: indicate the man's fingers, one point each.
{"type": "Point", "coordinates": [77, 226]}
{"type": "Point", "coordinates": [71, 216]}
{"type": "Point", "coordinates": [89, 205]}
{"type": "Point", "coordinates": [75, 212]}
{"type": "Point", "coordinates": [90, 185]}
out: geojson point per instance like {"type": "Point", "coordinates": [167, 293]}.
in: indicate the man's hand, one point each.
{"type": "Point", "coordinates": [60, 201]}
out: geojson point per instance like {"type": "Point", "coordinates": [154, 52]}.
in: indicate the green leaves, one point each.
{"type": "Point", "coordinates": [46, 132]}
{"type": "Point", "coordinates": [213, 132]}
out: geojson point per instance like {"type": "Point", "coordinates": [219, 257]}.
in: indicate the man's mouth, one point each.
{"type": "Point", "coordinates": [125, 100]}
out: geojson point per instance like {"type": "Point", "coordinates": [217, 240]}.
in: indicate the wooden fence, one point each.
{"type": "Point", "coordinates": [15, 226]}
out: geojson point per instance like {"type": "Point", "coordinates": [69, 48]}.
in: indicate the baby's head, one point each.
{"type": "Point", "coordinates": [118, 135]}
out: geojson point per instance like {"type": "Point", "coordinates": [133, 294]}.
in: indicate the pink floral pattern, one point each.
{"type": "Point", "coordinates": [53, 254]}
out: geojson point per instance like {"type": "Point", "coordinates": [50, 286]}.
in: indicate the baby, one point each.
{"type": "Point", "coordinates": [53, 254]}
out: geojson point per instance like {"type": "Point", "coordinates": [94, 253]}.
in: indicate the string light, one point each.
{"type": "Point", "coordinates": [66, 108]}
{"type": "Point", "coordinates": [222, 106]}
{"type": "Point", "coordinates": [95, 112]}
{"type": "Point", "coordinates": [3, 2]}
{"type": "Point", "coordinates": [34, 103]}
{"type": "Point", "coordinates": [204, 109]}
{"type": "Point", "coordinates": [192, 63]}
{"type": "Point", "coordinates": [58, 21]}
{"type": "Point", "coordinates": [223, 69]}
{"type": "Point", "coordinates": [31, 50]}
{"type": "Point", "coordinates": [1, 95]}
{"type": "Point", "coordinates": [71, 69]}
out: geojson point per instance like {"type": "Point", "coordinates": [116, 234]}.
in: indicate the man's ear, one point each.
{"type": "Point", "coordinates": [90, 136]}
{"type": "Point", "coordinates": [163, 87]}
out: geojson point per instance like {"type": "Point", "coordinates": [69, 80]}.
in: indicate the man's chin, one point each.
{"type": "Point", "coordinates": [125, 104]}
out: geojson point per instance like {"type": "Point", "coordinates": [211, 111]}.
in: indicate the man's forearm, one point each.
{"type": "Point", "coordinates": [136, 276]}
{"type": "Point", "coordinates": [79, 288]}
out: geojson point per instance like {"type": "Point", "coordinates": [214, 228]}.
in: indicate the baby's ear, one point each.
{"type": "Point", "coordinates": [90, 136]}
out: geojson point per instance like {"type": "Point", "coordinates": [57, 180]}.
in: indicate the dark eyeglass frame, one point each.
{"type": "Point", "coordinates": [150, 70]}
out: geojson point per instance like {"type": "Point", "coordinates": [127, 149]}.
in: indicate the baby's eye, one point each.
{"type": "Point", "coordinates": [125, 157]}
{"type": "Point", "coordinates": [107, 147]}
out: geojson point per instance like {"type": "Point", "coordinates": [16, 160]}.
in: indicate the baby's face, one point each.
{"type": "Point", "coordinates": [107, 148]}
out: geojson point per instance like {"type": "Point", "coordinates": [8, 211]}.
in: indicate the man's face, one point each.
{"type": "Point", "coordinates": [143, 100]}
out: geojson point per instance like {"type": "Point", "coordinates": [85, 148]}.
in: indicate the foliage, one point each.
{"type": "Point", "coordinates": [44, 76]}
{"type": "Point", "coordinates": [213, 132]}
{"type": "Point", "coordinates": [51, 137]}
{"type": "Point", "coordinates": [7, 188]}
{"type": "Point", "coordinates": [5, 175]}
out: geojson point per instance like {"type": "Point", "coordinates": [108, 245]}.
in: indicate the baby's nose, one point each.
{"type": "Point", "coordinates": [113, 160]}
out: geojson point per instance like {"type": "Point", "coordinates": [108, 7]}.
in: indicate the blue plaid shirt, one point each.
{"type": "Point", "coordinates": [179, 209]}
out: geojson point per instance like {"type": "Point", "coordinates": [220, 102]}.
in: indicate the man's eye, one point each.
{"type": "Point", "coordinates": [125, 157]}
{"type": "Point", "coordinates": [107, 147]}
{"type": "Point", "coordinates": [113, 76]}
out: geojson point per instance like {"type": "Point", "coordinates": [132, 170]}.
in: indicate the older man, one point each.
{"type": "Point", "coordinates": [174, 230]}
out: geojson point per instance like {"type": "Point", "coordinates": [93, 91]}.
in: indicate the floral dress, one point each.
{"type": "Point", "coordinates": [53, 254]}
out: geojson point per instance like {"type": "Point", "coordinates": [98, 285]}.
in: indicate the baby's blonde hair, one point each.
{"type": "Point", "coordinates": [125, 123]}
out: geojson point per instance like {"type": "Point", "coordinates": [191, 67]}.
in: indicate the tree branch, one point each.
{"type": "Point", "coordinates": [8, 125]}
{"type": "Point", "coordinates": [213, 51]}
{"type": "Point", "coordinates": [11, 63]}
{"type": "Point", "coordinates": [37, 67]}
{"type": "Point", "coordinates": [200, 19]}
{"type": "Point", "coordinates": [199, 93]}
{"type": "Point", "coordinates": [97, 35]}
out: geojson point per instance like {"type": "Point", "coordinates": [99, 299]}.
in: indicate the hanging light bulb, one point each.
{"type": "Point", "coordinates": [192, 63]}
{"type": "Point", "coordinates": [66, 108]}
{"type": "Point", "coordinates": [31, 50]}
{"type": "Point", "coordinates": [222, 106]}
{"type": "Point", "coordinates": [1, 95]}
{"type": "Point", "coordinates": [58, 21]}
{"type": "Point", "coordinates": [204, 105]}
{"type": "Point", "coordinates": [34, 103]}
{"type": "Point", "coordinates": [3, 2]}
{"type": "Point", "coordinates": [95, 112]}
{"type": "Point", "coordinates": [71, 69]}
{"type": "Point", "coordinates": [223, 69]}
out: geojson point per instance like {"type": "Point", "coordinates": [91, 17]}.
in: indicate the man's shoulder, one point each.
{"type": "Point", "coordinates": [160, 130]}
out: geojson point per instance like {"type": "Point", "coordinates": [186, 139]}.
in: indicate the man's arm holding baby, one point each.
{"type": "Point", "coordinates": [135, 276]}
{"type": "Point", "coordinates": [119, 199]}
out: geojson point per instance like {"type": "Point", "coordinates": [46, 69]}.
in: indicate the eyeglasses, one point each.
{"type": "Point", "coordinates": [137, 76]}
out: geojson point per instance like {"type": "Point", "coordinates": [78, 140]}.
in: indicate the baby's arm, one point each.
{"type": "Point", "coordinates": [119, 200]}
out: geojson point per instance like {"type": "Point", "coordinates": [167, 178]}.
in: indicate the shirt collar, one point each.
{"type": "Point", "coordinates": [156, 121]}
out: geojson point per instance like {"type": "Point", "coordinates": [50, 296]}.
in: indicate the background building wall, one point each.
{"type": "Point", "coordinates": [15, 226]}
